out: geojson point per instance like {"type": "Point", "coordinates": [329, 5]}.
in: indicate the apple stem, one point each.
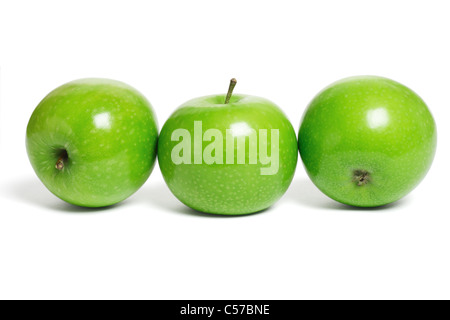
{"type": "Point", "coordinates": [361, 177]}
{"type": "Point", "coordinates": [62, 158]}
{"type": "Point", "coordinates": [60, 163]}
{"type": "Point", "coordinates": [230, 90]}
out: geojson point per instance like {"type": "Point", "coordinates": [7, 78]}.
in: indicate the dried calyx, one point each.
{"type": "Point", "coordinates": [361, 177]}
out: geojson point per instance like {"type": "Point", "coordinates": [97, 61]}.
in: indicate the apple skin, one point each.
{"type": "Point", "coordinates": [109, 132]}
{"type": "Point", "coordinates": [228, 189]}
{"type": "Point", "coordinates": [367, 124]}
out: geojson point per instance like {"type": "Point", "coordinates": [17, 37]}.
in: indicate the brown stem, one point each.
{"type": "Point", "coordinates": [60, 163]}
{"type": "Point", "coordinates": [230, 90]}
{"type": "Point", "coordinates": [63, 157]}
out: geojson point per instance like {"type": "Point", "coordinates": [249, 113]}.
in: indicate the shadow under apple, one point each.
{"type": "Point", "coordinates": [32, 191]}
{"type": "Point", "coordinates": [305, 193]}
{"type": "Point", "coordinates": [302, 191]}
{"type": "Point", "coordinates": [159, 195]}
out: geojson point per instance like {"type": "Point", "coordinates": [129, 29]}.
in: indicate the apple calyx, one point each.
{"type": "Point", "coordinates": [62, 158]}
{"type": "Point", "coordinates": [230, 90]}
{"type": "Point", "coordinates": [361, 177]}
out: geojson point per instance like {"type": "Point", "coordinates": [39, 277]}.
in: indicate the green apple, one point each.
{"type": "Point", "coordinates": [92, 142]}
{"type": "Point", "coordinates": [367, 141]}
{"type": "Point", "coordinates": [228, 155]}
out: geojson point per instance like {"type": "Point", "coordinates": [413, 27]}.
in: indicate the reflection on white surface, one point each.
{"type": "Point", "coordinates": [240, 129]}
{"type": "Point", "coordinates": [377, 118]}
{"type": "Point", "coordinates": [102, 120]}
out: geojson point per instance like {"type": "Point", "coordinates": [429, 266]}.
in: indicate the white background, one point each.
{"type": "Point", "coordinates": [151, 246]}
